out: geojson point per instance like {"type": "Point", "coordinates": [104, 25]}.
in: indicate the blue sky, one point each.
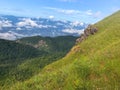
{"type": "Point", "coordinates": [89, 11]}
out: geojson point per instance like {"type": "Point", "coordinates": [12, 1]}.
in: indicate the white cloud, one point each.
{"type": "Point", "coordinates": [58, 23]}
{"type": "Point", "coordinates": [18, 28]}
{"type": "Point", "coordinates": [5, 23]}
{"type": "Point", "coordinates": [73, 31]}
{"type": "Point", "coordinates": [27, 22]}
{"type": "Point", "coordinates": [76, 23]}
{"type": "Point", "coordinates": [51, 17]}
{"type": "Point", "coordinates": [69, 11]}
{"type": "Point", "coordinates": [64, 11]}
{"type": "Point", "coordinates": [89, 12]}
{"type": "Point", "coordinates": [7, 36]}
{"type": "Point", "coordinates": [76, 13]}
{"type": "Point", "coordinates": [88, 16]}
{"type": "Point", "coordinates": [94, 14]}
{"type": "Point", "coordinates": [43, 26]}
{"type": "Point", "coordinates": [10, 35]}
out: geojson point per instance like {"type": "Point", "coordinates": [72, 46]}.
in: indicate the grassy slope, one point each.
{"type": "Point", "coordinates": [92, 64]}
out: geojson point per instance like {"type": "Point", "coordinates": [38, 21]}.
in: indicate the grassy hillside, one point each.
{"type": "Point", "coordinates": [90, 65]}
{"type": "Point", "coordinates": [20, 61]}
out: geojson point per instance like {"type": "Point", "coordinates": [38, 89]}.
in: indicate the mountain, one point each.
{"type": "Point", "coordinates": [14, 27]}
{"type": "Point", "coordinates": [90, 65]}
{"type": "Point", "coordinates": [12, 54]}
{"type": "Point", "coordinates": [10, 50]}
{"type": "Point", "coordinates": [50, 44]}
{"type": "Point", "coordinates": [23, 58]}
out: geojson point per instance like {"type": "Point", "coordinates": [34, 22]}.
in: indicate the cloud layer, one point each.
{"type": "Point", "coordinates": [73, 31]}
{"type": "Point", "coordinates": [27, 22]}
{"type": "Point", "coordinates": [5, 23]}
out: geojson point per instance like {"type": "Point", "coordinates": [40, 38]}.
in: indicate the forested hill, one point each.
{"type": "Point", "coordinates": [10, 50]}
{"type": "Point", "coordinates": [50, 44]}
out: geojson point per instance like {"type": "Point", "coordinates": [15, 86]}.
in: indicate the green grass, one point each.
{"type": "Point", "coordinates": [90, 65]}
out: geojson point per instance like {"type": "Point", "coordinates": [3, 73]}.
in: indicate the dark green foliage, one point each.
{"type": "Point", "coordinates": [12, 54]}
{"type": "Point", "coordinates": [33, 66]}
{"type": "Point", "coordinates": [10, 50]}
{"type": "Point", "coordinates": [55, 44]}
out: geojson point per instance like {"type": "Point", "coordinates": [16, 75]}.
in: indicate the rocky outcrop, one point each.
{"type": "Point", "coordinates": [90, 30]}
{"type": "Point", "coordinates": [41, 43]}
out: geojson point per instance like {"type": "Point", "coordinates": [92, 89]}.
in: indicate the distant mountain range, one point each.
{"type": "Point", "coordinates": [14, 27]}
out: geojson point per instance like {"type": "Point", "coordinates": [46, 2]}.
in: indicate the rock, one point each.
{"type": "Point", "coordinates": [90, 30]}
{"type": "Point", "coordinates": [41, 43]}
